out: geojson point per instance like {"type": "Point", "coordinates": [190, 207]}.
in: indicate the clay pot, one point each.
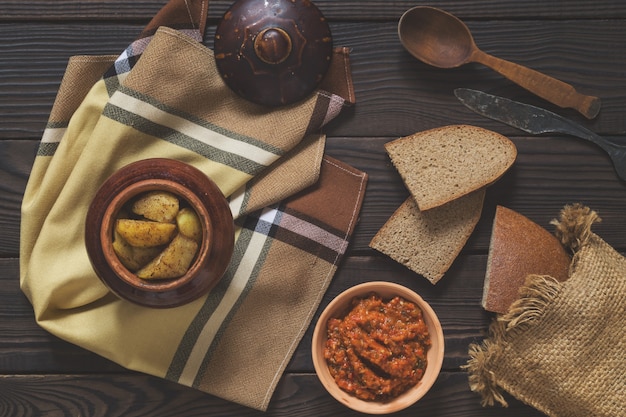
{"type": "Point", "coordinates": [195, 190]}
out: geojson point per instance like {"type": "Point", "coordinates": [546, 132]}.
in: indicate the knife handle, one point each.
{"type": "Point", "coordinates": [555, 91]}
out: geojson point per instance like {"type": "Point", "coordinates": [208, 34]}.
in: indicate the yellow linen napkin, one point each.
{"type": "Point", "coordinates": [295, 209]}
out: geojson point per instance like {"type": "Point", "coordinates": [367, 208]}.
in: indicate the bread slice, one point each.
{"type": "Point", "coordinates": [519, 247]}
{"type": "Point", "coordinates": [442, 164]}
{"type": "Point", "coordinates": [428, 242]}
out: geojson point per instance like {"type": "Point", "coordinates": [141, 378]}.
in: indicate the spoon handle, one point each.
{"type": "Point", "coordinates": [546, 87]}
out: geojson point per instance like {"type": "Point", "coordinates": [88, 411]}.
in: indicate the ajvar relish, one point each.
{"type": "Point", "coordinates": [378, 350]}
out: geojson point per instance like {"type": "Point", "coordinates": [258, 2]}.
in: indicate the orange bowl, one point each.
{"type": "Point", "coordinates": [192, 187]}
{"type": "Point", "coordinates": [338, 307]}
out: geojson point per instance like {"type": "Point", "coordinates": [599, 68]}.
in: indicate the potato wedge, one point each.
{"type": "Point", "coordinates": [159, 206]}
{"type": "Point", "coordinates": [173, 262]}
{"type": "Point", "coordinates": [142, 233]}
{"type": "Point", "coordinates": [124, 252]}
{"type": "Point", "coordinates": [133, 258]}
{"type": "Point", "coordinates": [189, 224]}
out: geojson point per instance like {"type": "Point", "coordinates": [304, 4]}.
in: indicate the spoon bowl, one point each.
{"type": "Point", "coordinates": [440, 39]}
{"type": "Point", "coordinates": [436, 37]}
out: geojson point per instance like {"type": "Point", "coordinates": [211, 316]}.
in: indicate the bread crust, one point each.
{"type": "Point", "coordinates": [519, 247]}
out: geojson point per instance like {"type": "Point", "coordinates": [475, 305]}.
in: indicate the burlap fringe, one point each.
{"type": "Point", "coordinates": [573, 229]}
{"type": "Point", "coordinates": [481, 379]}
{"type": "Point", "coordinates": [537, 293]}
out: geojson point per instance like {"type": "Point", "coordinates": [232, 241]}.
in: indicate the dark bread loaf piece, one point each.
{"type": "Point", "coordinates": [519, 247]}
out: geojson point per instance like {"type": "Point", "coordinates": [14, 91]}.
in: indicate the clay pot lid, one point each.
{"type": "Point", "coordinates": [273, 52]}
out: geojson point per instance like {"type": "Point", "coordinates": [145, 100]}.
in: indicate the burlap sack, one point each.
{"type": "Point", "coordinates": [295, 209]}
{"type": "Point", "coordinates": [562, 346]}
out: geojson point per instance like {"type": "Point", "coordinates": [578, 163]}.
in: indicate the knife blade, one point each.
{"type": "Point", "coordinates": [530, 119]}
{"type": "Point", "coordinates": [535, 120]}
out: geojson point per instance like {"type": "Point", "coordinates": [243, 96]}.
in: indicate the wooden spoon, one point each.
{"type": "Point", "coordinates": [442, 40]}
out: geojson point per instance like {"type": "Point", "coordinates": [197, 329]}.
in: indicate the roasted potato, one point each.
{"type": "Point", "coordinates": [143, 233]}
{"type": "Point", "coordinates": [133, 257]}
{"type": "Point", "coordinates": [189, 224]}
{"type": "Point", "coordinates": [155, 238]}
{"type": "Point", "coordinates": [159, 206]}
{"type": "Point", "coordinates": [173, 262]}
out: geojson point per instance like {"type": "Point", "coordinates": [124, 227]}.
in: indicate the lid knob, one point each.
{"type": "Point", "coordinates": [272, 45]}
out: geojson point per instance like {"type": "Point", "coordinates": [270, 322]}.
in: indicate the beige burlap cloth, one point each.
{"type": "Point", "coordinates": [562, 346]}
{"type": "Point", "coordinates": [295, 209]}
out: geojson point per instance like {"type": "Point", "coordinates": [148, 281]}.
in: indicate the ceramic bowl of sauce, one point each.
{"type": "Point", "coordinates": [200, 262]}
{"type": "Point", "coordinates": [378, 347]}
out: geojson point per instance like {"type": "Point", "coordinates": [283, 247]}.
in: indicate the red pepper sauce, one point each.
{"type": "Point", "coordinates": [378, 350]}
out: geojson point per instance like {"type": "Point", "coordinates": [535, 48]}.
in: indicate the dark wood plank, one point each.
{"type": "Point", "coordinates": [348, 9]}
{"type": "Point", "coordinates": [131, 395]}
{"type": "Point", "coordinates": [548, 174]}
{"type": "Point", "coordinates": [26, 348]}
{"type": "Point", "coordinates": [16, 159]}
{"type": "Point", "coordinates": [32, 63]}
{"type": "Point", "coordinates": [410, 96]}
{"type": "Point", "coordinates": [390, 84]}
{"type": "Point", "coordinates": [576, 41]}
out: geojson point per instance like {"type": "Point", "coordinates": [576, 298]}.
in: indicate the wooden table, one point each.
{"type": "Point", "coordinates": [577, 41]}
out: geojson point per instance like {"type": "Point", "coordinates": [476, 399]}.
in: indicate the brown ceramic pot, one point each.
{"type": "Point", "coordinates": [193, 188]}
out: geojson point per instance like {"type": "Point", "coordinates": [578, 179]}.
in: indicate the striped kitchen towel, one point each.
{"type": "Point", "coordinates": [295, 209]}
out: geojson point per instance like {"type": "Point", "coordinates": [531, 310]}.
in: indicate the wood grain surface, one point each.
{"type": "Point", "coordinates": [577, 41]}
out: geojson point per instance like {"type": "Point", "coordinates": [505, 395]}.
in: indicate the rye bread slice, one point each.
{"type": "Point", "coordinates": [443, 164]}
{"type": "Point", "coordinates": [519, 247]}
{"type": "Point", "coordinates": [429, 242]}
